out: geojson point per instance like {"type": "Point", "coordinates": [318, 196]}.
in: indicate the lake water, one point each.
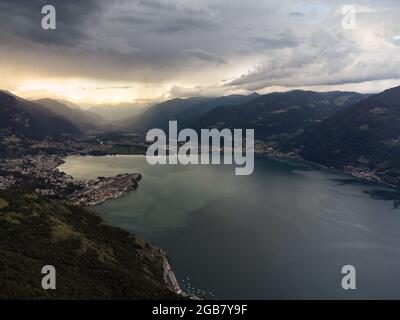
{"type": "Point", "coordinates": [284, 232]}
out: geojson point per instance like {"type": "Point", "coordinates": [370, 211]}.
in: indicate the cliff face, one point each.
{"type": "Point", "coordinates": [92, 260]}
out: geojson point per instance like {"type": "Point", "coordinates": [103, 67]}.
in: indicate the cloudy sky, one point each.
{"type": "Point", "coordinates": [106, 51]}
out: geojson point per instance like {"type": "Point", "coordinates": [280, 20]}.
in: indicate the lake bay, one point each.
{"type": "Point", "coordinates": [284, 232]}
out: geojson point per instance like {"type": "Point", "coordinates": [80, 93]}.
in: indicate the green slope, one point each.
{"type": "Point", "coordinates": [28, 119]}
{"type": "Point", "coordinates": [365, 135]}
{"type": "Point", "coordinates": [280, 117]}
{"type": "Point", "coordinates": [93, 260]}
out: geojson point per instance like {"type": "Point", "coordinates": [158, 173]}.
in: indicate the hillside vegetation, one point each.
{"type": "Point", "coordinates": [364, 135]}
{"type": "Point", "coordinates": [92, 260]}
{"type": "Point", "coordinates": [30, 120]}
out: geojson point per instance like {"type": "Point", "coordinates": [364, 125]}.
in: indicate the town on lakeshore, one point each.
{"type": "Point", "coordinates": [36, 163]}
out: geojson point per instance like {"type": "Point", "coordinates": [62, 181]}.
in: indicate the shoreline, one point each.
{"type": "Point", "coordinates": [369, 177]}
{"type": "Point", "coordinates": [102, 189]}
{"type": "Point", "coordinates": [170, 278]}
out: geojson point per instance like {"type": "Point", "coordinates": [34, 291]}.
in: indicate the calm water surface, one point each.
{"type": "Point", "coordinates": [283, 232]}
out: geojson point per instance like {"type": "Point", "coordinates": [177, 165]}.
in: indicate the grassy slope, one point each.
{"type": "Point", "coordinates": [93, 260]}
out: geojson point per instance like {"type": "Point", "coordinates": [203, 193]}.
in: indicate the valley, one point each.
{"type": "Point", "coordinates": [339, 130]}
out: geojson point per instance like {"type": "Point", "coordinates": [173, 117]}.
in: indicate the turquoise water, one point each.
{"type": "Point", "coordinates": [283, 232]}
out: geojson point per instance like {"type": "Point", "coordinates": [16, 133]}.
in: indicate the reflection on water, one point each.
{"type": "Point", "coordinates": [385, 195]}
{"type": "Point", "coordinates": [381, 194]}
{"type": "Point", "coordinates": [283, 232]}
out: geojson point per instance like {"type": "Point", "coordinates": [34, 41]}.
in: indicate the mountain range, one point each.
{"type": "Point", "coordinates": [29, 119]}
{"type": "Point", "coordinates": [118, 112]}
{"type": "Point", "coordinates": [85, 120]}
{"type": "Point", "coordinates": [187, 111]}
{"type": "Point", "coordinates": [279, 117]}
{"type": "Point", "coordinates": [365, 135]}
{"type": "Point", "coordinates": [276, 117]}
{"type": "Point", "coordinates": [336, 129]}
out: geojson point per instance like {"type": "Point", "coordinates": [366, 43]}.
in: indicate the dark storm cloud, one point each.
{"type": "Point", "coordinates": [182, 24]}
{"type": "Point", "coordinates": [132, 19]}
{"type": "Point", "coordinates": [205, 56]}
{"type": "Point", "coordinates": [99, 38]}
{"type": "Point", "coordinates": [296, 14]}
{"type": "Point", "coordinates": [282, 42]}
{"type": "Point", "coordinates": [23, 18]}
{"type": "Point", "coordinates": [156, 5]}
{"type": "Point", "coordinates": [328, 54]}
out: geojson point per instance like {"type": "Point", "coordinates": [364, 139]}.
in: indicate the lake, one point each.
{"type": "Point", "coordinates": [284, 232]}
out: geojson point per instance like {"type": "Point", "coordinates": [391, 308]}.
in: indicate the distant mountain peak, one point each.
{"type": "Point", "coordinates": [368, 130]}
{"type": "Point", "coordinates": [85, 120]}
{"type": "Point", "coordinates": [29, 119]}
